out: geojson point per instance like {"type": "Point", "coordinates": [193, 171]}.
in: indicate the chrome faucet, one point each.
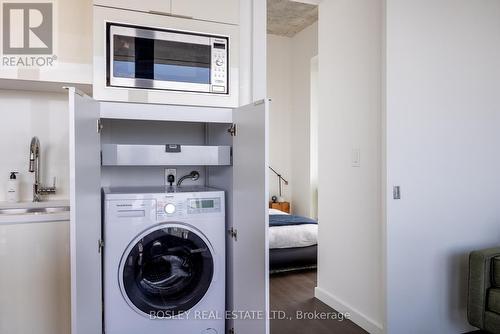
{"type": "Point", "coordinates": [38, 190]}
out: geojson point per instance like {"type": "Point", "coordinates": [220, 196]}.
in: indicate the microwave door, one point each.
{"type": "Point", "coordinates": [141, 58]}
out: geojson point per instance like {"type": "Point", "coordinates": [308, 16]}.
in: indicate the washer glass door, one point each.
{"type": "Point", "coordinates": [167, 269]}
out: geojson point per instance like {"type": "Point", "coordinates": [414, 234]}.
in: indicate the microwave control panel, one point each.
{"type": "Point", "coordinates": [220, 65]}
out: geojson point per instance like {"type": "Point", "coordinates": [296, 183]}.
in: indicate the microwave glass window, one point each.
{"type": "Point", "coordinates": [182, 62]}
{"type": "Point", "coordinates": [143, 58]}
{"type": "Point", "coordinates": [124, 56]}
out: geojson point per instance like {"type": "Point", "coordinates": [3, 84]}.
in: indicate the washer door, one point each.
{"type": "Point", "coordinates": [166, 269]}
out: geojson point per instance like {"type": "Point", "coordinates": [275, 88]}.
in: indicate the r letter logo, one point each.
{"type": "Point", "coordinates": [27, 28]}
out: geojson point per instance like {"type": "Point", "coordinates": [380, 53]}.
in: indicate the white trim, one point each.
{"type": "Point", "coordinates": [163, 112]}
{"type": "Point", "coordinates": [310, 2]}
{"type": "Point", "coordinates": [363, 321]}
{"type": "Point", "coordinates": [34, 218]}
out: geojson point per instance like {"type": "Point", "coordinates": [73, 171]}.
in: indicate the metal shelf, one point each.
{"type": "Point", "coordinates": [165, 155]}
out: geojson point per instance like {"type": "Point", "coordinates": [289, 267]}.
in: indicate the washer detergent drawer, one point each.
{"type": "Point", "coordinates": [130, 210]}
{"type": "Point", "coordinates": [131, 213]}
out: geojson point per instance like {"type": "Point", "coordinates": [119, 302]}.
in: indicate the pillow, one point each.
{"type": "Point", "coordinates": [277, 212]}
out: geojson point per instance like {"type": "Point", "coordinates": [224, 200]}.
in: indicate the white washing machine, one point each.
{"type": "Point", "coordinates": [164, 261]}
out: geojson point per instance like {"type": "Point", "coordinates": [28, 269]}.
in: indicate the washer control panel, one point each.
{"type": "Point", "coordinates": [169, 207]}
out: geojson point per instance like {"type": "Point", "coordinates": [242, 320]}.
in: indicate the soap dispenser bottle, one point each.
{"type": "Point", "coordinates": [13, 188]}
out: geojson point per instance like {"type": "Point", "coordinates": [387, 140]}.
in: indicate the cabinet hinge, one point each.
{"type": "Point", "coordinates": [100, 244]}
{"type": "Point", "coordinates": [232, 130]}
{"type": "Point", "coordinates": [99, 126]}
{"type": "Point", "coordinates": [231, 331]}
{"type": "Point", "coordinates": [233, 233]}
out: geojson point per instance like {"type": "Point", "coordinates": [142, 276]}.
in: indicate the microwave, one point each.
{"type": "Point", "coordinates": [148, 58]}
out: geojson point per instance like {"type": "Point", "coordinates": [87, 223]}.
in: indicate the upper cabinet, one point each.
{"type": "Point", "coordinates": [225, 11]}
{"type": "Point", "coordinates": [161, 6]}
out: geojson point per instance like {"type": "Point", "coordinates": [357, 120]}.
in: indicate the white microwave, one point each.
{"type": "Point", "coordinates": [141, 57]}
{"type": "Point", "coordinates": [149, 58]}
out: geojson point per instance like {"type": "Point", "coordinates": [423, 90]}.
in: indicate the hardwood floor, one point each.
{"type": "Point", "coordinates": [294, 292]}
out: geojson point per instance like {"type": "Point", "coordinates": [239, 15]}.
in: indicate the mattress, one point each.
{"type": "Point", "coordinates": [288, 259]}
{"type": "Point", "coordinates": [292, 236]}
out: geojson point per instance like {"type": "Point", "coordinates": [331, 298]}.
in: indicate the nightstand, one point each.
{"type": "Point", "coordinates": [282, 206]}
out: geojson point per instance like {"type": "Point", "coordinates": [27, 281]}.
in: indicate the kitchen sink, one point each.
{"type": "Point", "coordinates": [33, 211]}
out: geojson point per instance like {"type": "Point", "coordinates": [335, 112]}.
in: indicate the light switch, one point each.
{"type": "Point", "coordinates": [356, 157]}
{"type": "Point", "coordinates": [396, 192]}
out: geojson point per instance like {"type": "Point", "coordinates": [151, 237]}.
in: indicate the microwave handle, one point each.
{"type": "Point", "coordinates": [169, 14]}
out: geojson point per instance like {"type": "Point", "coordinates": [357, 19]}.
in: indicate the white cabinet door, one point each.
{"type": "Point", "coordinates": [250, 273]}
{"type": "Point", "coordinates": [226, 11]}
{"type": "Point", "coordinates": [85, 216]}
{"type": "Point", "coordinates": [161, 6]}
{"type": "Point", "coordinates": [35, 280]}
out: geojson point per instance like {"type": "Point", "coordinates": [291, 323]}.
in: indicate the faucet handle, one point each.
{"type": "Point", "coordinates": [47, 190]}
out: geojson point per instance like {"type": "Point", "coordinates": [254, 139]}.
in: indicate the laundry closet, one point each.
{"type": "Point", "coordinates": [136, 129]}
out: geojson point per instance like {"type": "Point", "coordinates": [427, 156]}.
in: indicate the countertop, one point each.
{"type": "Point", "coordinates": [29, 218]}
{"type": "Point", "coordinates": [44, 204]}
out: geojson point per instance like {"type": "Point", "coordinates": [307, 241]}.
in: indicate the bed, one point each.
{"type": "Point", "coordinates": [293, 242]}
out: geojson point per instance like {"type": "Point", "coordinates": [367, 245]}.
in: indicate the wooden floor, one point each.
{"type": "Point", "coordinates": [294, 292]}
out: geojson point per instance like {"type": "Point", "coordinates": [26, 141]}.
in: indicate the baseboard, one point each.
{"type": "Point", "coordinates": [357, 317]}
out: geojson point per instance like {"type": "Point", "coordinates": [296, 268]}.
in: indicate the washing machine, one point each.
{"type": "Point", "coordinates": [164, 260]}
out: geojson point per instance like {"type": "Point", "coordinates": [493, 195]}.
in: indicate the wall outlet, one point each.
{"type": "Point", "coordinates": [170, 171]}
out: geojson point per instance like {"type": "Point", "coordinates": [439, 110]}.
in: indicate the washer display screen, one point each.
{"type": "Point", "coordinates": [169, 269]}
{"type": "Point", "coordinates": [202, 204]}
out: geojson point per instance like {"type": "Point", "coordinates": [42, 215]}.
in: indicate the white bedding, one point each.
{"type": "Point", "coordinates": [293, 235]}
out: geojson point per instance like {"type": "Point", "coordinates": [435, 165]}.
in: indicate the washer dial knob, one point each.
{"type": "Point", "coordinates": [169, 208]}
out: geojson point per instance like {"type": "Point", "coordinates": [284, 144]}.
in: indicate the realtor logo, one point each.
{"type": "Point", "coordinates": [28, 34]}
{"type": "Point", "coordinates": [27, 28]}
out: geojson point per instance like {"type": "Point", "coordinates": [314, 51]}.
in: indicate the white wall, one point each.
{"type": "Point", "coordinates": [27, 114]}
{"type": "Point", "coordinates": [289, 72]}
{"type": "Point", "coordinates": [314, 125]}
{"type": "Point", "coordinates": [350, 111]}
{"type": "Point", "coordinates": [279, 89]}
{"type": "Point", "coordinates": [443, 137]}
{"type": "Point", "coordinates": [304, 48]}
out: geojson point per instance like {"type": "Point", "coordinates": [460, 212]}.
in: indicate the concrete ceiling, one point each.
{"type": "Point", "coordinates": [288, 17]}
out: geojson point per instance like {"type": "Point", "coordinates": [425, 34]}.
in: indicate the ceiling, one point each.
{"type": "Point", "coordinates": [288, 17]}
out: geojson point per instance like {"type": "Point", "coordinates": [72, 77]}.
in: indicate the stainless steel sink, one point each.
{"type": "Point", "coordinates": [33, 211]}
